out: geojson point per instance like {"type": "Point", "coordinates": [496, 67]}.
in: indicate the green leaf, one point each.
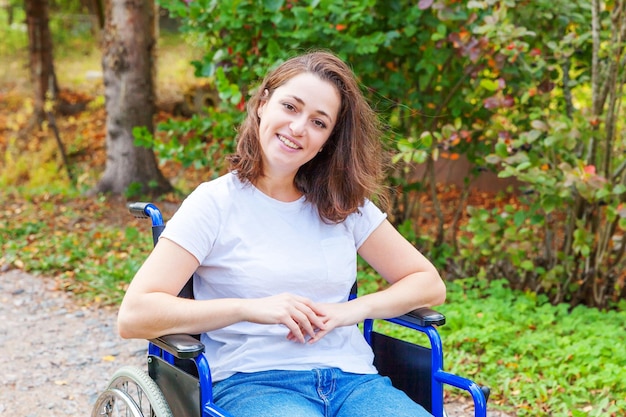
{"type": "Point", "coordinates": [527, 265]}
{"type": "Point", "coordinates": [420, 156]}
{"type": "Point", "coordinates": [519, 218]}
{"type": "Point", "coordinates": [427, 139]}
{"type": "Point", "coordinates": [619, 189]}
{"type": "Point", "coordinates": [488, 84]}
{"type": "Point", "coordinates": [273, 5]}
{"type": "Point", "coordinates": [502, 150]}
{"type": "Point", "coordinates": [472, 4]}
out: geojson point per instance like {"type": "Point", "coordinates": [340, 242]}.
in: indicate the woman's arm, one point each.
{"type": "Point", "coordinates": [151, 307]}
{"type": "Point", "coordinates": [414, 282]}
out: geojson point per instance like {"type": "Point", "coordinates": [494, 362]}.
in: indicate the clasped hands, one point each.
{"type": "Point", "coordinates": [307, 321]}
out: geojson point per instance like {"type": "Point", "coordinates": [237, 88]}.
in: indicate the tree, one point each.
{"type": "Point", "coordinates": [40, 53]}
{"type": "Point", "coordinates": [8, 7]}
{"type": "Point", "coordinates": [128, 68]}
{"type": "Point", "coordinates": [96, 9]}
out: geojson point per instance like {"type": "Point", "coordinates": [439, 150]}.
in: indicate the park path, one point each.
{"type": "Point", "coordinates": [57, 356]}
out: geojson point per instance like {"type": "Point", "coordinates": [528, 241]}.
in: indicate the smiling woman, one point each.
{"type": "Point", "coordinates": [273, 249]}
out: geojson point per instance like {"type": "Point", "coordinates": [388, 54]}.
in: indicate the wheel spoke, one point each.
{"type": "Point", "coordinates": [131, 393]}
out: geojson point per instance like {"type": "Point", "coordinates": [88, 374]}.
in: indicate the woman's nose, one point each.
{"type": "Point", "coordinates": [297, 126]}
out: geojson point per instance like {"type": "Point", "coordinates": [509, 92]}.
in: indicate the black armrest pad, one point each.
{"type": "Point", "coordinates": [183, 346]}
{"type": "Point", "coordinates": [425, 317]}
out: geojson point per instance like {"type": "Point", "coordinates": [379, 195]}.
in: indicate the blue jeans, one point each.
{"type": "Point", "coordinates": [327, 392]}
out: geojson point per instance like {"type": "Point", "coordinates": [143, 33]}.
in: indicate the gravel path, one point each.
{"type": "Point", "coordinates": [57, 357]}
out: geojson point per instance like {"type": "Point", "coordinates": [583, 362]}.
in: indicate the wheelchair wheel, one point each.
{"type": "Point", "coordinates": [131, 392]}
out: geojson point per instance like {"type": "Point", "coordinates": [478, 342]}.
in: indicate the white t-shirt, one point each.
{"type": "Point", "coordinates": [250, 245]}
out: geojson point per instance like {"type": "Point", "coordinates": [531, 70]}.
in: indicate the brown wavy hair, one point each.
{"type": "Point", "coordinates": [349, 168]}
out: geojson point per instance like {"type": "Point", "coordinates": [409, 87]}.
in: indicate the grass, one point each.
{"type": "Point", "coordinates": [545, 359]}
{"type": "Point", "coordinates": [72, 239]}
{"type": "Point", "coordinates": [538, 359]}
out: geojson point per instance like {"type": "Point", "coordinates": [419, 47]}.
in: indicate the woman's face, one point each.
{"type": "Point", "coordinates": [296, 122]}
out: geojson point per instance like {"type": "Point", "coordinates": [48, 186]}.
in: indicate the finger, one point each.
{"type": "Point", "coordinates": [305, 326]}
{"type": "Point", "coordinates": [329, 325]}
{"type": "Point", "coordinates": [295, 333]}
{"type": "Point", "coordinates": [313, 319]}
{"type": "Point", "coordinates": [316, 309]}
{"type": "Point", "coordinates": [318, 336]}
{"type": "Point", "coordinates": [305, 318]}
{"type": "Point", "coordinates": [318, 322]}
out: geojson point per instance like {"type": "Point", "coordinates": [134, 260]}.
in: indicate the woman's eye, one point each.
{"type": "Point", "coordinates": [289, 107]}
{"type": "Point", "coordinates": [319, 123]}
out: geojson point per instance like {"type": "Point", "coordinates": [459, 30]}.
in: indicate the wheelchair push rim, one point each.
{"type": "Point", "coordinates": [131, 393]}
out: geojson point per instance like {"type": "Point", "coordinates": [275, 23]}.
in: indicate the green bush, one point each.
{"type": "Point", "coordinates": [14, 35]}
{"type": "Point", "coordinates": [564, 140]}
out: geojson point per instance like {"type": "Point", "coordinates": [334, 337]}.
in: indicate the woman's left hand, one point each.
{"type": "Point", "coordinates": [334, 315]}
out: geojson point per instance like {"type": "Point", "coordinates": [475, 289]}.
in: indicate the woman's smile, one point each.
{"type": "Point", "coordinates": [288, 142]}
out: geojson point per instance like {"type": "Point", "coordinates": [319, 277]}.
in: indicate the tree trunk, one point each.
{"type": "Point", "coordinates": [8, 7]}
{"type": "Point", "coordinates": [40, 53]}
{"type": "Point", "coordinates": [128, 68]}
{"type": "Point", "coordinates": [96, 10]}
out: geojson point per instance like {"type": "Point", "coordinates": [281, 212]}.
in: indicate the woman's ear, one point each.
{"type": "Point", "coordinates": [262, 102]}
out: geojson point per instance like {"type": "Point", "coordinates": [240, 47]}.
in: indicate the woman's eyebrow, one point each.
{"type": "Point", "coordinates": [321, 112]}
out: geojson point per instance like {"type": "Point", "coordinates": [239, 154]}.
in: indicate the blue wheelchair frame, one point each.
{"type": "Point", "coordinates": [180, 387]}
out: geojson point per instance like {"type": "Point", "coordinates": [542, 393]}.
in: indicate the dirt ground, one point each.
{"type": "Point", "coordinates": [57, 356]}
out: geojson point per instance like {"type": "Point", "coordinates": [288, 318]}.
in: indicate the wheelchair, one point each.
{"type": "Point", "coordinates": [178, 382]}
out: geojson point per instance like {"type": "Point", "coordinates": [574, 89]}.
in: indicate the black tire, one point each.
{"type": "Point", "coordinates": [131, 392]}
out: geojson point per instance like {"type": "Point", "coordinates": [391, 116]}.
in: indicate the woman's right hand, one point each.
{"type": "Point", "coordinates": [299, 314]}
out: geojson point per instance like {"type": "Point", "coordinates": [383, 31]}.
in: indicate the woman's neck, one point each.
{"type": "Point", "coordinates": [281, 189]}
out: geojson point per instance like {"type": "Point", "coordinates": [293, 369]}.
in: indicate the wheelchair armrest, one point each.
{"type": "Point", "coordinates": [138, 209]}
{"type": "Point", "coordinates": [425, 317]}
{"type": "Point", "coordinates": [182, 346]}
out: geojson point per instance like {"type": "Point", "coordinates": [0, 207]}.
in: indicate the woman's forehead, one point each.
{"type": "Point", "coordinates": [308, 89]}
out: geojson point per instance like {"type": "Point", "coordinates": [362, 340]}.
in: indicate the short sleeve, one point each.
{"type": "Point", "coordinates": [365, 221]}
{"type": "Point", "coordinates": [195, 224]}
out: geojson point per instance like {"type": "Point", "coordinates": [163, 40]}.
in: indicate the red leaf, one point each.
{"type": "Point", "coordinates": [590, 169]}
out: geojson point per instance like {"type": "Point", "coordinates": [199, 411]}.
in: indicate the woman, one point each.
{"type": "Point", "coordinates": [272, 246]}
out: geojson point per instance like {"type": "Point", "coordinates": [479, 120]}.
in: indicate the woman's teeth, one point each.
{"type": "Point", "coordinates": [288, 142]}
